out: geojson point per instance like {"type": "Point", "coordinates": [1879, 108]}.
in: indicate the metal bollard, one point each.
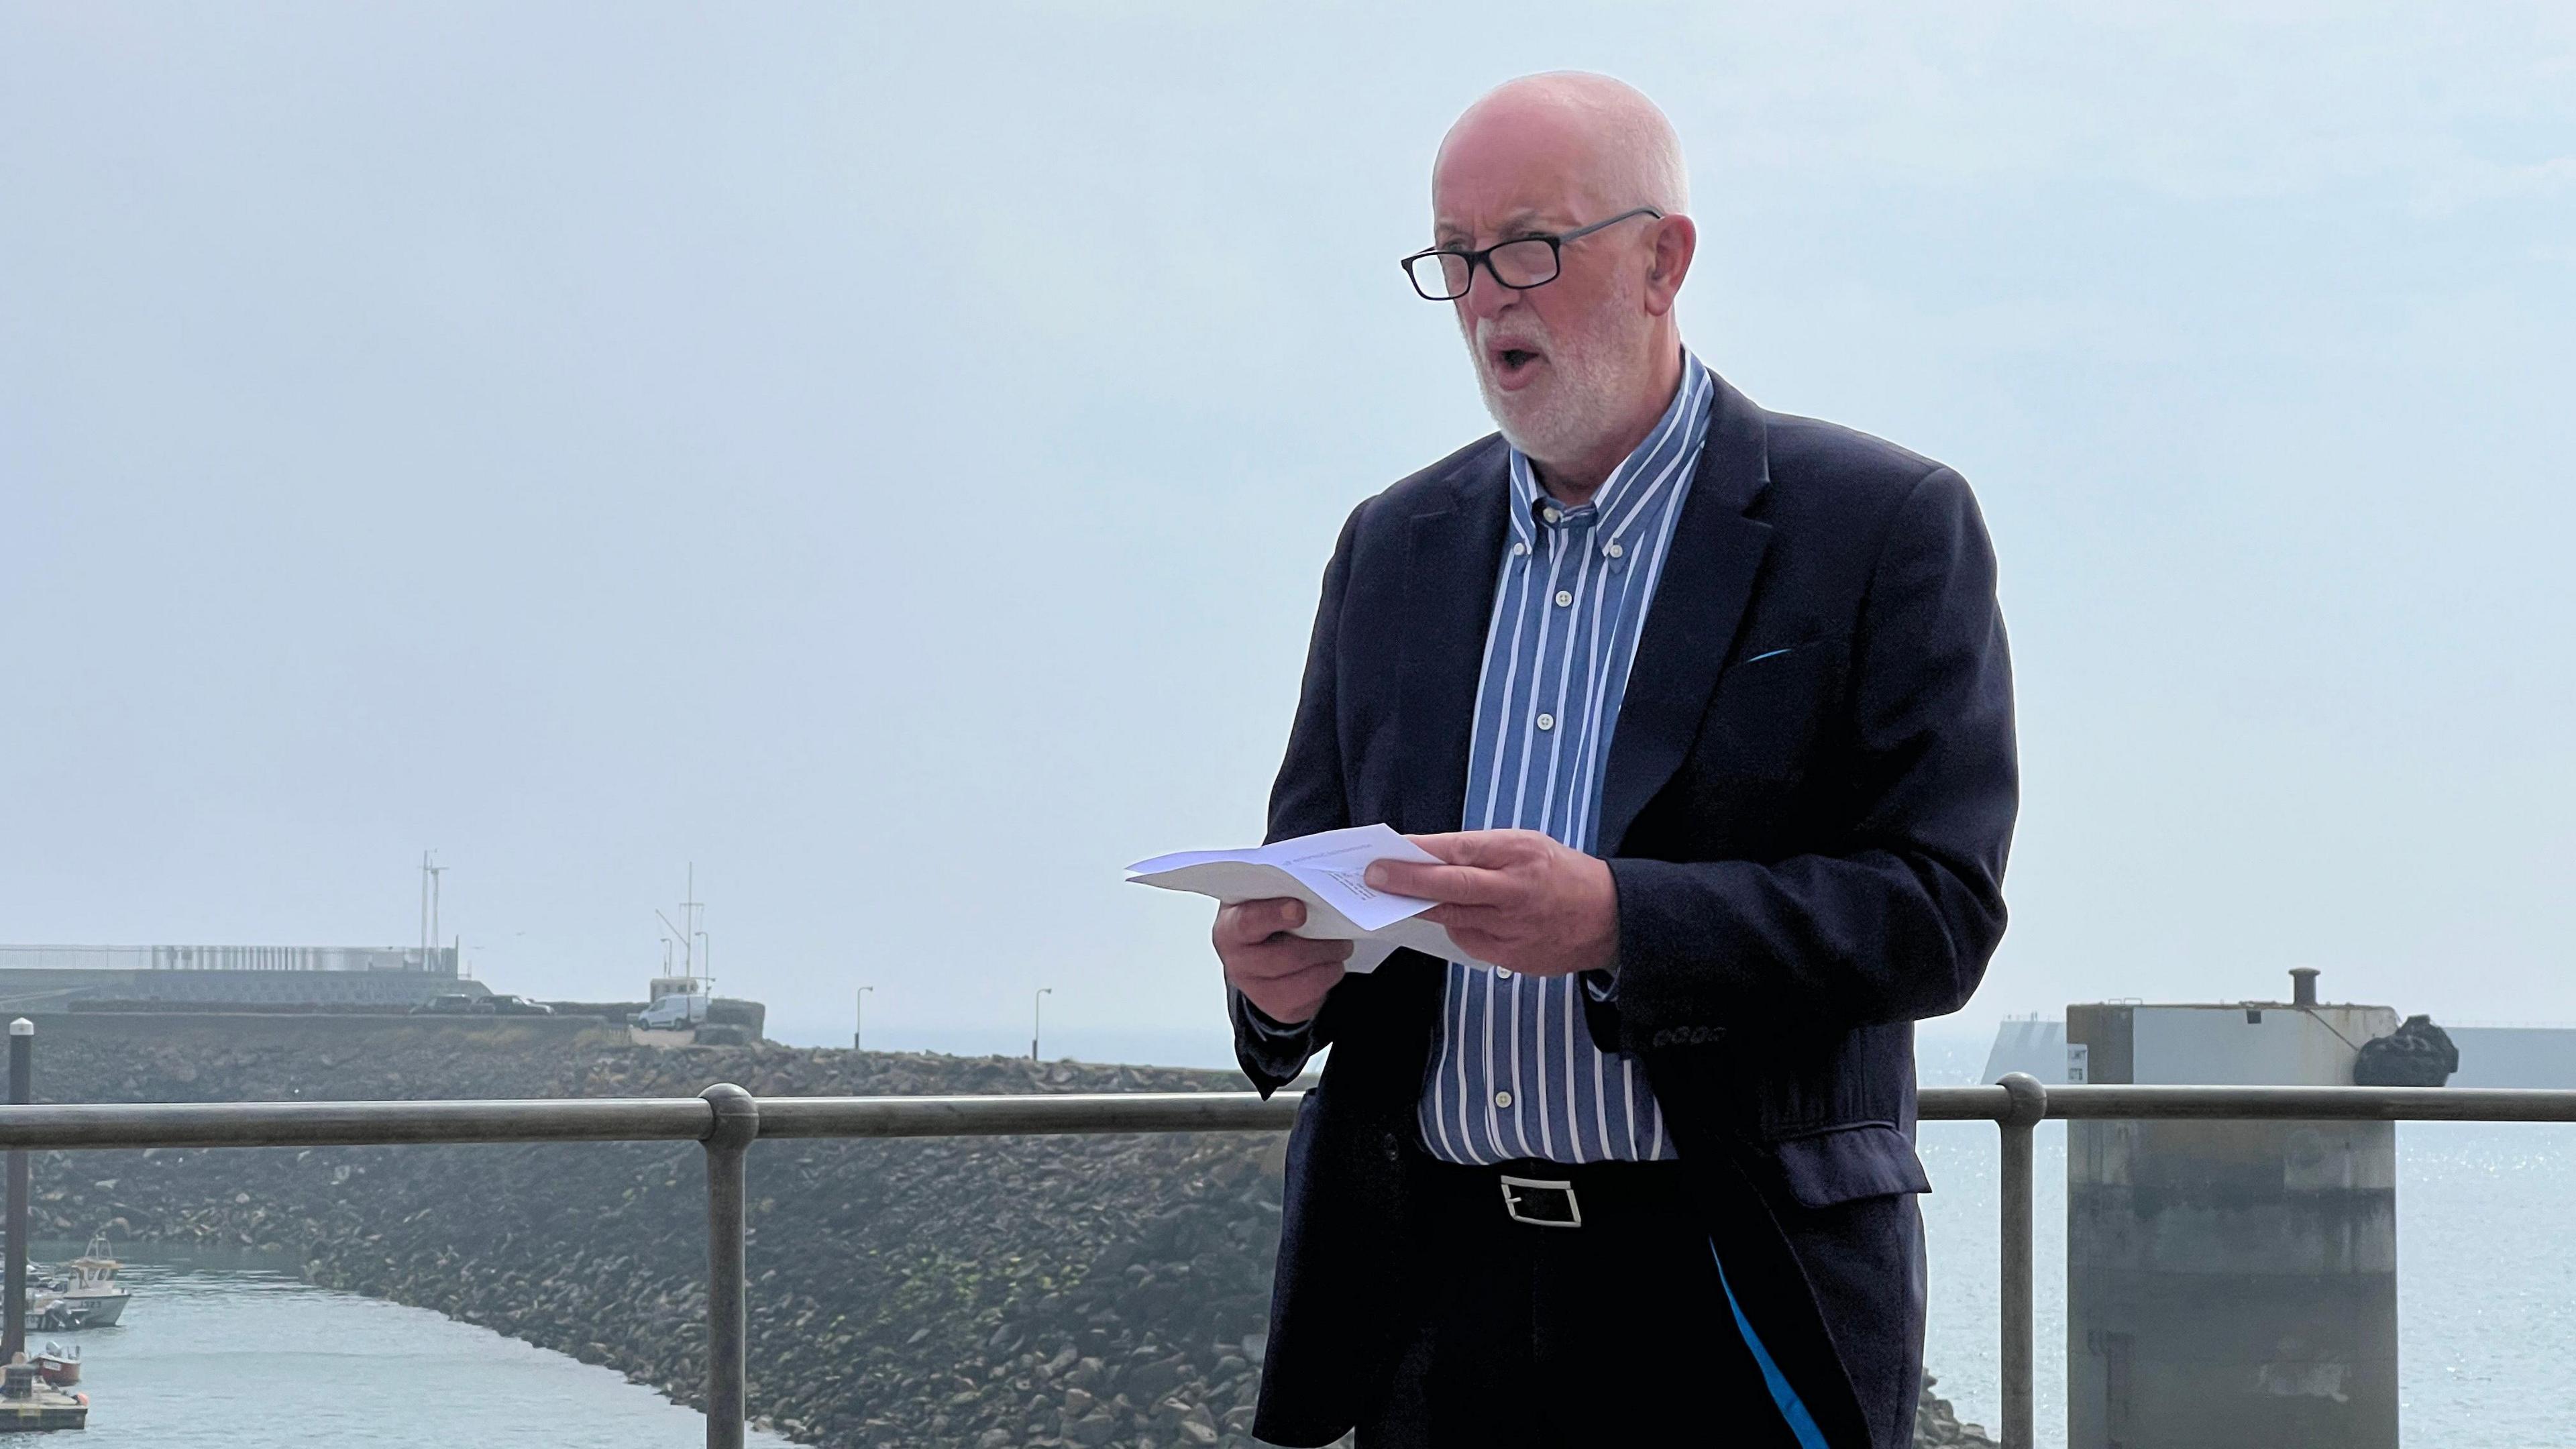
{"type": "Point", "coordinates": [2029, 1104]}
{"type": "Point", "coordinates": [735, 1123]}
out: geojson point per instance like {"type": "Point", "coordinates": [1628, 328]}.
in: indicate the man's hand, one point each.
{"type": "Point", "coordinates": [1286, 976]}
{"type": "Point", "coordinates": [1515, 898]}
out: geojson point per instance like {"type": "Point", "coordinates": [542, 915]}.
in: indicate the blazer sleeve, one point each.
{"type": "Point", "coordinates": [1306, 797]}
{"type": "Point", "coordinates": [1898, 922]}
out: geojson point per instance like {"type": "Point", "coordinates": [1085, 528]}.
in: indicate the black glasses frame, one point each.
{"type": "Point", "coordinates": [1485, 259]}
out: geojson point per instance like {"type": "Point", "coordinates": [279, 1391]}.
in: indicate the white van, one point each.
{"type": "Point", "coordinates": [673, 1013]}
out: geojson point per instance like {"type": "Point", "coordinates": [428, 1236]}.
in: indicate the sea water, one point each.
{"type": "Point", "coordinates": [228, 1351]}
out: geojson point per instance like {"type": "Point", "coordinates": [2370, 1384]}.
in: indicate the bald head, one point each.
{"type": "Point", "coordinates": [1576, 365]}
{"type": "Point", "coordinates": [1615, 145]}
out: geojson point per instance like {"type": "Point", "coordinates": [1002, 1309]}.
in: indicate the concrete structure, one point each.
{"type": "Point", "coordinates": [51, 978]}
{"type": "Point", "coordinates": [2490, 1056]}
{"type": "Point", "coordinates": [2230, 1285]}
{"type": "Point", "coordinates": [29, 1405]}
{"type": "Point", "coordinates": [437, 960]}
{"type": "Point", "coordinates": [2027, 1044]}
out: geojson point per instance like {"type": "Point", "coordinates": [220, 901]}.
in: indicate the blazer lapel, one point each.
{"type": "Point", "coordinates": [1707, 581]}
{"type": "Point", "coordinates": [1455, 556]}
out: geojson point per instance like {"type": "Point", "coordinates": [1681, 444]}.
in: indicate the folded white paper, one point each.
{"type": "Point", "coordinates": [1328, 872]}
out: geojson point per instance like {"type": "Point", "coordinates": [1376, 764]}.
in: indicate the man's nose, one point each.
{"type": "Point", "coordinates": [1485, 297]}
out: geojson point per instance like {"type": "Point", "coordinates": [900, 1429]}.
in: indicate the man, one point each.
{"type": "Point", "coordinates": [1707, 712]}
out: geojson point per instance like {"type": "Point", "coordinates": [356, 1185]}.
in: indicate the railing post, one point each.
{"type": "Point", "coordinates": [729, 1136]}
{"type": "Point", "coordinates": [2020, 1120]}
{"type": "Point", "coordinates": [13, 1281]}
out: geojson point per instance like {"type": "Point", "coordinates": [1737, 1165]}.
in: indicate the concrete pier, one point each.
{"type": "Point", "coordinates": [2230, 1285]}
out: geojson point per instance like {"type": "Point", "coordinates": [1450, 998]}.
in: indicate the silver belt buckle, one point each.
{"type": "Point", "coordinates": [1512, 1202]}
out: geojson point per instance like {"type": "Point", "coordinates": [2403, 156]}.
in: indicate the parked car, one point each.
{"type": "Point", "coordinates": [517, 1006]}
{"type": "Point", "coordinates": [455, 1003]}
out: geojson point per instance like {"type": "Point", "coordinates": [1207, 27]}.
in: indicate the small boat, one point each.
{"type": "Point", "coordinates": [90, 1287]}
{"type": "Point", "coordinates": [60, 1365]}
{"type": "Point", "coordinates": [51, 1312]}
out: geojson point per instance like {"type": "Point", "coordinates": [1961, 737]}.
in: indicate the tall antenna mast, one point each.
{"type": "Point", "coordinates": [686, 931]}
{"type": "Point", "coordinates": [690, 910]}
{"type": "Point", "coordinates": [436, 872]}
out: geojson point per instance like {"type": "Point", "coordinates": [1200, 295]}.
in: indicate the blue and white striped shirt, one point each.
{"type": "Point", "coordinates": [1514, 1072]}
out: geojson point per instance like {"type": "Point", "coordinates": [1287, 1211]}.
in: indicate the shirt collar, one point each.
{"type": "Point", "coordinates": [1644, 476]}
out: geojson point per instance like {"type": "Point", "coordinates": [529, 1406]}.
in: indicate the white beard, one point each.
{"type": "Point", "coordinates": [1570, 410]}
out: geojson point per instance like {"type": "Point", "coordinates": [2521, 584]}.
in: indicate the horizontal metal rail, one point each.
{"type": "Point", "coordinates": [690, 1119]}
{"type": "Point", "coordinates": [355, 1124]}
{"type": "Point", "coordinates": [2315, 1104]}
{"type": "Point", "coordinates": [1044, 1115]}
{"type": "Point", "coordinates": [726, 1120]}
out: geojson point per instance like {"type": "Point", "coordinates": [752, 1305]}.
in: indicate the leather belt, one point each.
{"type": "Point", "coordinates": [1540, 1194]}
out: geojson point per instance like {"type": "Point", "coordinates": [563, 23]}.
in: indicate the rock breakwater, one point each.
{"type": "Point", "coordinates": [971, 1292]}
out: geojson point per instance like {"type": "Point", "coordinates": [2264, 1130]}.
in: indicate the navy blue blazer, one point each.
{"type": "Point", "coordinates": [1809, 850]}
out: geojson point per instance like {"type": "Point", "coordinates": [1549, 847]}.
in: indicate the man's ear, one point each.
{"type": "Point", "coordinates": [1676, 242]}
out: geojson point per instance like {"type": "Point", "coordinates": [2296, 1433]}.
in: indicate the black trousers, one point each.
{"type": "Point", "coordinates": [1611, 1333]}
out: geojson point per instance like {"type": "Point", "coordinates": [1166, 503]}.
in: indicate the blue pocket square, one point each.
{"type": "Point", "coordinates": [1766, 654]}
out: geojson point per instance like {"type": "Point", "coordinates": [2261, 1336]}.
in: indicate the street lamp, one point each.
{"type": "Point", "coordinates": [1037, 1015]}
{"type": "Point", "coordinates": [859, 1027]}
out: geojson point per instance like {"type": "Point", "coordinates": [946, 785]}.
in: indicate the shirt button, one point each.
{"type": "Point", "coordinates": [1547, 721]}
{"type": "Point", "coordinates": [1502, 1099]}
{"type": "Point", "coordinates": [1614, 550]}
{"type": "Point", "coordinates": [1563, 598]}
{"type": "Point", "coordinates": [1502, 973]}
{"type": "Point", "coordinates": [1551, 515]}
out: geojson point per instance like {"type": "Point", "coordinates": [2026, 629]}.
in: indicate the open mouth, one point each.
{"type": "Point", "coordinates": [1513, 363]}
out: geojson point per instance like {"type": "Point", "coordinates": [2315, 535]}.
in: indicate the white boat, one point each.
{"type": "Point", "coordinates": [89, 1289]}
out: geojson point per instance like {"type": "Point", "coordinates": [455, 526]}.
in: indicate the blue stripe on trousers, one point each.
{"type": "Point", "coordinates": [1802, 1425]}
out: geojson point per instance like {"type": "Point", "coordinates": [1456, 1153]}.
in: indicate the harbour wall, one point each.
{"type": "Point", "coordinates": [971, 1292]}
{"type": "Point", "coordinates": [27, 990]}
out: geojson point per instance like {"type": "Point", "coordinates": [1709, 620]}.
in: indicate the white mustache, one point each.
{"type": "Point", "coordinates": [1533, 333]}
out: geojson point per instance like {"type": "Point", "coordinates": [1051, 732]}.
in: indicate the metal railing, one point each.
{"type": "Point", "coordinates": [726, 1120]}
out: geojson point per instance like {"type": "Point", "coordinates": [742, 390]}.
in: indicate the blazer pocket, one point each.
{"type": "Point", "coordinates": [1847, 1164]}
{"type": "Point", "coordinates": [1763, 718]}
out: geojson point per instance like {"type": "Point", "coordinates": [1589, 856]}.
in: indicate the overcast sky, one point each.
{"type": "Point", "coordinates": [885, 455]}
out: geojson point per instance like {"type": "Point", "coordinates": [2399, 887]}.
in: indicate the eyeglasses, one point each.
{"type": "Point", "coordinates": [1443, 274]}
